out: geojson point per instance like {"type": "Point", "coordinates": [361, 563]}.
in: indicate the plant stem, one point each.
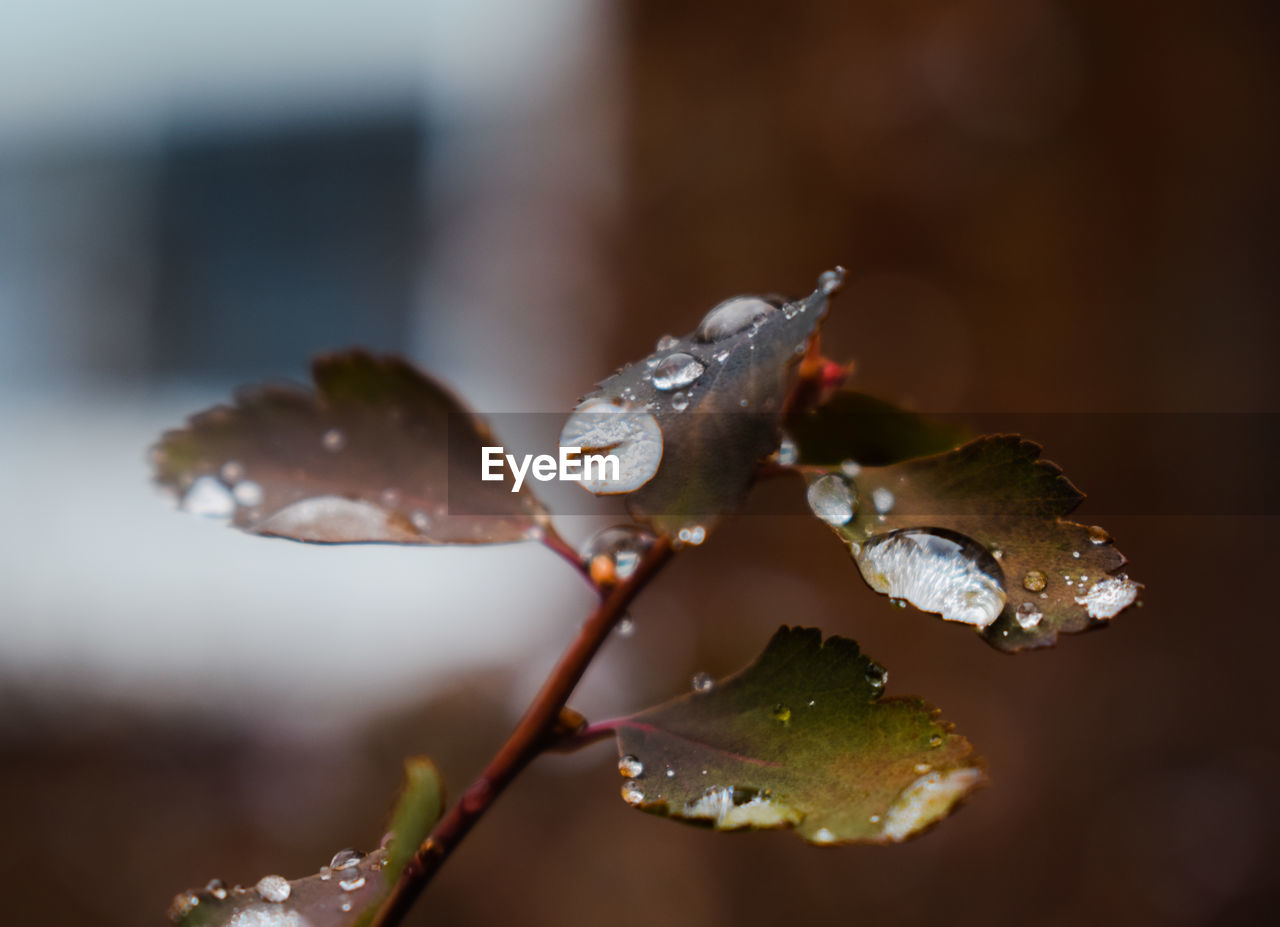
{"type": "Point", "coordinates": [529, 739]}
{"type": "Point", "coordinates": [554, 542]}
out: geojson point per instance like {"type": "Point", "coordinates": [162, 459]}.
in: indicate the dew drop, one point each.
{"type": "Point", "coordinates": [1108, 597]}
{"type": "Point", "coordinates": [334, 440]}
{"type": "Point", "coordinates": [1034, 581]}
{"type": "Point", "coordinates": [1076, 554]}
{"type": "Point", "coordinates": [630, 767]}
{"type": "Point", "coordinates": [850, 468]}
{"type": "Point", "coordinates": [922, 767]}
{"type": "Point", "coordinates": [345, 859]}
{"type": "Point", "coordinates": [876, 675]}
{"type": "Point", "coordinates": [824, 836]}
{"type": "Point", "coordinates": [274, 888]}
{"type": "Point", "coordinates": [671, 773]}
{"type": "Point", "coordinates": [217, 888]}
{"type": "Point", "coordinates": [345, 906]}
{"type": "Point", "coordinates": [247, 493]}
{"type": "Point", "coordinates": [1028, 615]}
{"type": "Point", "coordinates": [600, 425]}
{"type": "Point", "coordinates": [937, 570]}
{"type": "Point", "coordinates": [830, 281]}
{"type": "Point", "coordinates": [680, 402]}
{"type": "Point", "coordinates": [632, 792]}
{"type": "Point", "coordinates": [692, 535]}
{"type": "Point", "coordinates": [831, 499]}
{"type": "Point", "coordinates": [882, 499]}
{"type": "Point", "coordinates": [702, 682]}
{"type": "Point", "coordinates": [625, 627]}
{"type": "Point", "coordinates": [781, 713]}
{"type": "Point", "coordinates": [624, 545]}
{"type": "Point", "coordinates": [350, 885]}
{"type": "Point", "coordinates": [722, 356]}
{"type": "Point", "coordinates": [733, 316]}
{"type": "Point", "coordinates": [232, 472]}
{"type": "Point", "coordinates": [421, 520]}
{"type": "Point", "coordinates": [209, 498]}
{"type": "Point", "coordinates": [1098, 535]}
{"type": "Point", "coordinates": [667, 342]}
{"type": "Point", "coordinates": [676, 371]}
{"type": "Point", "coordinates": [935, 740]}
{"type": "Point", "coordinates": [787, 453]}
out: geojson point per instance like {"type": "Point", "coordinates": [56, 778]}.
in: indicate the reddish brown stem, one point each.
{"type": "Point", "coordinates": [530, 738]}
{"type": "Point", "coordinates": [554, 542]}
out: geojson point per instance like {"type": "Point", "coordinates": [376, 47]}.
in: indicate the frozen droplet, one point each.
{"type": "Point", "coordinates": [1098, 535]}
{"type": "Point", "coordinates": [334, 440]}
{"type": "Point", "coordinates": [274, 888]}
{"type": "Point", "coordinates": [676, 371]}
{"type": "Point", "coordinates": [781, 713]}
{"type": "Point", "coordinates": [788, 453]}
{"type": "Point", "coordinates": [667, 342]}
{"type": "Point", "coordinates": [850, 468]}
{"type": "Point", "coordinates": [632, 792]}
{"type": "Point", "coordinates": [692, 535]}
{"type": "Point", "coordinates": [209, 498]}
{"type": "Point", "coordinates": [876, 675]}
{"type": "Point", "coordinates": [702, 682]}
{"type": "Point", "coordinates": [1108, 597]}
{"type": "Point", "coordinates": [625, 627]}
{"type": "Point", "coordinates": [733, 316]}
{"type": "Point", "coordinates": [831, 499]}
{"type": "Point", "coordinates": [882, 499]}
{"type": "Point", "coordinates": [232, 472]}
{"type": "Point", "coordinates": [937, 571]}
{"type": "Point", "coordinates": [624, 545]}
{"type": "Point", "coordinates": [830, 281]}
{"type": "Point", "coordinates": [217, 888]}
{"type": "Point", "coordinates": [1034, 581]}
{"type": "Point", "coordinates": [630, 767]}
{"type": "Point", "coordinates": [1028, 615]}
{"type": "Point", "coordinates": [680, 402]}
{"type": "Point", "coordinates": [345, 859]}
{"type": "Point", "coordinates": [247, 493]}
{"type": "Point", "coordinates": [601, 426]}
{"type": "Point", "coordinates": [350, 885]}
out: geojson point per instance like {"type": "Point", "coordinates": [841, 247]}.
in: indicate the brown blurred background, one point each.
{"type": "Point", "coordinates": [1063, 211]}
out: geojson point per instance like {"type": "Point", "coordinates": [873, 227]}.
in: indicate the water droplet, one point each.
{"type": "Point", "coordinates": [925, 800]}
{"type": "Point", "coordinates": [345, 906]}
{"type": "Point", "coordinates": [811, 703]}
{"type": "Point", "coordinates": [922, 767]}
{"type": "Point", "coordinates": [624, 545]}
{"type": "Point", "coordinates": [350, 885]}
{"type": "Point", "coordinates": [671, 773]}
{"type": "Point", "coordinates": [625, 627]}
{"type": "Point", "coordinates": [390, 498]}
{"type": "Point", "coordinates": [217, 888]}
{"type": "Point", "coordinates": [1034, 581]}
{"type": "Point", "coordinates": [667, 342]}
{"type": "Point", "coordinates": [1076, 554]}
{"type": "Point", "coordinates": [781, 713]}
{"type": "Point", "coordinates": [676, 371]}
{"type": "Point", "coordinates": [830, 281]}
{"type": "Point", "coordinates": [334, 440]}
{"type": "Point", "coordinates": [232, 472]}
{"type": "Point", "coordinates": [680, 402]}
{"type": "Point", "coordinates": [722, 356]}
{"type": "Point", "coordinates": [1028, 615]}
{"type": "Point", "coordinates": [247, 493]}
{"type": "Point", "coordinates": [600, 426]}
{"type": "Point", "coordinates": [702, 682]}
{"type": "Point", "coordinates": [1108, 597]}
{"type": "Point", "coordinates": [692, 535]}
{"type": "Point", "coordinates": [421, 520]}
{"type": "Point", "coordinates": [822, 835]}
{"type": "Point", "coordinates": [630, 767]}
{"type": "Point", "coordinates": [937, 571]}
{"type": "Point", "coordinates": [209, 498]}
{"type": "Point", "coordinates": [831, 499]}
{"type": "Point", "coordinates": [632, 792]}
{"type": "Point", "coordinates": [850, 468]}
{"type": "Point", "coordinates": [274, 888]}
{"type": "Point", "coordinates": [1098, 535]}
{"type": "Point", "coordinates": [935, 740]}
{"type": "Point", "coordinates": [733, 316]}
{"type": "Point", "coordinates": [876, 675]}
{"type": "Point", "coordinates": [345, 859]}
{"type": "Point", "coordinates": [882, 499]}
{"type": "Point", "coordinates": [787, 453]}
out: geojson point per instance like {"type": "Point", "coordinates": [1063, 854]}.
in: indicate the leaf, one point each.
{"type": "Point", "coordinates": [377, 453]}
{"type": "Point", "coordinates": [801, 738]}
{"type": "Point", "coordinates": [346, 893]}
{"type": "Point", "coordinates": [853, 426]}
{"type": "Point", "coordinates": [703, 410]}
{"type": "Point", "coordinates": [977, 535]}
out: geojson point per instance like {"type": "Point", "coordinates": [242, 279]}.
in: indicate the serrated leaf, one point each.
{"type": "Point", "coordinates": [853, 426]}
{"type": "Point", "coordinates": [801, 738]}
{"type": "Point", "coordinates": [716, 416]}
{"type": "Point", "coordinates": [378, 452]}
{"type": "Point", "coordinates": [977, 535]}
{"type": "Point", "coordinates": [345, 894]}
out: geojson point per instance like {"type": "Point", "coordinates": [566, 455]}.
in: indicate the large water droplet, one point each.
{"type": "Point", "coordinates": [632, 792]}
{"type": "Point", "coordinates": [831, 499]}
{"type": "Point", "coordinates": [630, 767]}
{"type": "Point", "coordinates": [209, 498]}
{"type": "Point", "coordinates": [702, 682]}
{"type": "Point", "coordinates": [667, 342]}
{"type": "Point", "coordinates": [937, 571]}
{"type": "Point", "coordinates": [1108, 598]}
{"type": "Point", "coordinates": [623, 545]}
{"type": "Point", "coordinates": [676, 371]}
{"type": "Point", "coordinates": [1028, 615]}
{"type": "Point", "coordinates": [733, 316]}
{"type": "Point", "coordinates": [601, 426]}
{"type": "Point", "coordinates": [1099, 535]}
{"type": "Point", "coordinates": [274, 888]}
{"type": "Point", "coordinates": [334, 440]}
{"type": "Point", "coordinates": [345, 859]}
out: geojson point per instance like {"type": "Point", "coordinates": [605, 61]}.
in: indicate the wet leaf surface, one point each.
{"type": "Point", "coordinates": [977, 534]}
{"type": "Point", "coordinates": [869, 431]}
{"type": "Point", "coordinates": [715, 397]}
{"type": "Point", "coordinates": [801, 738]}
{"type": "Point", "coordinates": [345, 893]}
{"type": "Point", "coordinates": [377, 452]}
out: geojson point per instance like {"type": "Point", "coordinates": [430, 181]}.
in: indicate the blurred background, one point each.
{"type": "Point", "coordinates": [1063, 212]}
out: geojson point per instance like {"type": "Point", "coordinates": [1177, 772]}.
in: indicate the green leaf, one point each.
{"type": "Point", "coordinates": [377, 453]}
{"type": "Point", "coordinates": [853, 426]}
{"type": "Point", "coordinates": [702, 411]}
{"type": "Point", "coordinates": [346, 893]}
{"type": "Point", "coordinates": [801, 738]}
{"type": "Point", "coordinates": [977, 536]}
